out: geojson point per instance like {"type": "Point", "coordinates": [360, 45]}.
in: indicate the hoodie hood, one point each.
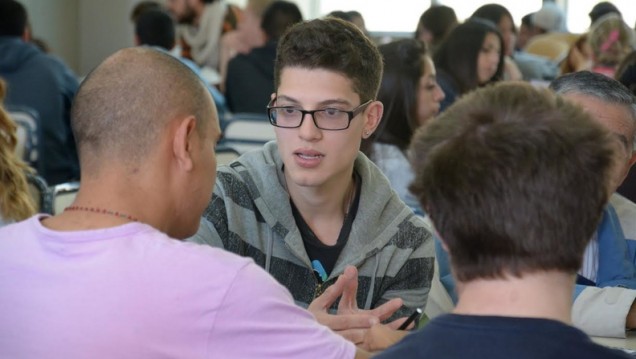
{"type": "Point", "coordinates": [379, 212]}
{"type": "Point", "coordinates": [15, 53]}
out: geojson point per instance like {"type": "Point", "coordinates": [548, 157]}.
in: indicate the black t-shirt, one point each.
{"type": "Point", "coordinates": [322, 256]}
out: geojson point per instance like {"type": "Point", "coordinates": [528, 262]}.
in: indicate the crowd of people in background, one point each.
{"type": "Point", "coordinates": [492, 158]}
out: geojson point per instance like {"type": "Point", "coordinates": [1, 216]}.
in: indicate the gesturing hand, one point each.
{"type": "Point", "coordinates": [350, 321]}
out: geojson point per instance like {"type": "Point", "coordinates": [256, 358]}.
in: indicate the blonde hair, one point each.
{"type": "Point", "coordinates": [611, 39]}
{"type": "Point", "coordinates": [16, 202]}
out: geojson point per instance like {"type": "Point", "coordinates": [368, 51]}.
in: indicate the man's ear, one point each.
{"type": "Point", "coordinates": [183, 142]}
{"type": "Point", "coordinates": [26, 35]}
{"type": "Point", "coordinates": [373, 115]}
{"type": "Point", "coordinates": [632, 160]}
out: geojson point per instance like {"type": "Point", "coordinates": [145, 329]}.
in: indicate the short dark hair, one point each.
{"type": "Point", "coordinates": [439, 20]}
{"type": "Point", "coordinates": [13, 18]}
{"type": "Point", "coordinates": [335, 45]}
{"type": "Point", "coordinates": [143, 6]}
{"type": "Point", "coordinates": [123, 105]}
{"type": "Point", "coordinates": [339, 14]}
{"type": "Point", "coordinates": [601, 9]}
{"type": "Point", "coordinates": [278, 17]}
{"type": "Point", "coordinates": [156, 27]}
{"type": "Point", "coordinates": [502, 172]}
{"type": "Point", "coordinates": [403, 68]}
{"type": "Point", "coordinates": [458, 54]}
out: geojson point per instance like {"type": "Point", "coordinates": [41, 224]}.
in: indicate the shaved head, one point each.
{"type": "Point", "coordinates": [125, 104]}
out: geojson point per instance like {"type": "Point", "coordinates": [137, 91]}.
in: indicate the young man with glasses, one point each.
{"type": "Point", "coordinates": [310, 205]}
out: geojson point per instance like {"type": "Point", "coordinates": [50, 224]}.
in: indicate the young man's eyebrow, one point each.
{"type": "Point", "coordinates": [328, 102]}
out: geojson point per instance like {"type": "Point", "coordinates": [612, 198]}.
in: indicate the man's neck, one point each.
{"type": "Point", "coordinates": [323, 208]}
{"type": "Point", "coordinates": [108, 194]}
{"type": "Point", "coordinates": [537, 295]}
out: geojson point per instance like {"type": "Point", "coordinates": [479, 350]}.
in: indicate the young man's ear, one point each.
{"type": "Point", "coordinates": [373, 115]}
{"type": "Point", "coordinates": [182, 142]}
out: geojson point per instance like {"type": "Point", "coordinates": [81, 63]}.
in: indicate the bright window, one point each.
{"type": "Point", "coordinates": [517, 8]}
{"type": "Point", "coordinates": [380, 16]}
{"type": "Point", "coordinates": [579, 20]}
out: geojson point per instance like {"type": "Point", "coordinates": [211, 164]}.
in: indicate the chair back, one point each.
{"type": "Point", "coordinates": [40, 193]}
{"type": "Point", "coordinates": [553, 46]}
{"type": "Point", "coordinates": [225, 155]}
{"type": "Point", "coordinates": [27, 121]}
{"type": "Point", "coordinates": [247, 131]}
{"type": "Point", "coordinates": [63, 195]}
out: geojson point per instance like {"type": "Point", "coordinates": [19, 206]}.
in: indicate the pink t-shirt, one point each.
{"type": "Point", "coordinates": [132, 292]}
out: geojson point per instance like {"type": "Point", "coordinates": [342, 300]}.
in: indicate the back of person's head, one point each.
{"type": "Point", "coordinates": [143, 6]}
{"type": "Point", "coordinates": [403, 68]}
{"type": "Point", "coordinates": [601, 9]}
{"type": "Point", "coordinates": [278, 17]}
{"type": "Point", "coordinates": [595, 85]}
{"type": "Point", "coordinates": [155, 27]}
{"type": "Point", "coordinates": [458, 54]}
{"type": "Point", "coordinates": [550, 18]}
{"type": "Point", "coordinates": [13, 18]}
{"type": "Point", "coordinates": [334, 45]}
{"type": "Point", "coordinates": [611, 39]}
{"type": "Point", "coordinates": [339, 14]}
{"type": "Point", "coordinates": [438, 20]}
{"type": "Point", "coordinates": [501, 173]}
{"type": "Point", "coordinates": [357, 18]}
{"type": "Point", "coordinates": [125, 104]}
{"type": "Point", "coordinates": [16, 202]}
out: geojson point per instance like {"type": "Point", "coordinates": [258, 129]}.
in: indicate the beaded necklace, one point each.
{"type": "Point", "coordinates": [102, 211]}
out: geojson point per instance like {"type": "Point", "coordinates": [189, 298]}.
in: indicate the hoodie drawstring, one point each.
{"type": "Point", "coordinates": [367, 303]}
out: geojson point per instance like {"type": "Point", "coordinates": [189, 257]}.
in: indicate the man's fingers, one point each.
{"type": "Point", "coordinates": [354, 335]}
{"type": "Point", "coordinates": [347, 321]}
{"type": "Point", "coordinates": [348, 301]}
{"type": "Point", "coordinates": [387, 309]}
{"type": "Point", "coordinates": [329, 296]}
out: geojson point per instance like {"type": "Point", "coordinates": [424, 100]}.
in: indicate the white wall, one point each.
{"type": "Point", "coordinates": [85, 32]}
{"type": "Point", "coordinates": [56, 22]}
{"type": "Point", "coordinates": [105, 27]}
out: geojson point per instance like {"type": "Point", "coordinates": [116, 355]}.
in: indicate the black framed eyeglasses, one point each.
{"type": "Point", "coordinates": [325, 119]}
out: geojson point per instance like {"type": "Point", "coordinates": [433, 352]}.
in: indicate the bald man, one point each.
{"type": "Point", "coordinates": [107, 278]}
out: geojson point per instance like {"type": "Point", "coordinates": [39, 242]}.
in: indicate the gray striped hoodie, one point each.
{"type": "Point", "coordinates": [250, 215]}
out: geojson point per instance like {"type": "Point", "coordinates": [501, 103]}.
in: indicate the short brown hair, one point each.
{"type": "Point", "coordinates": [335, 45]}
{"type": "Point", "coordinates": [514, 179]}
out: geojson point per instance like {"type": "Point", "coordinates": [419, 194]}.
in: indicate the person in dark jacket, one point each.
{"type": "Point", "coordinates": [44, 84]}
{"type": "Point", "coordinates": [250, 77]}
